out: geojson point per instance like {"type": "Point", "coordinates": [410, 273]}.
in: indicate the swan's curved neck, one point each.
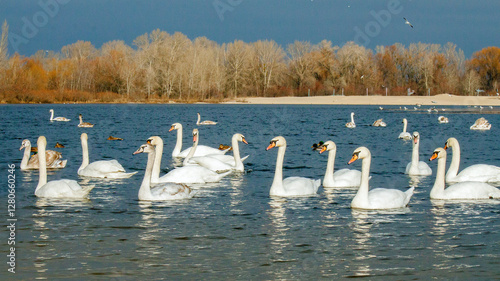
{"type": "Point", "coordinates": [157, 161]}
{"type": "Point", "coordinates": [414, 155]}
{"type": "Point", "coordinates": [191, 152]}
{"type": "Point", "coordinates": [145, 190]}
{"type": "Point", "coordinates": [42, 167]}
{"type": "Point", "coordinates": [352, 117]}
{"type": "Point", "coordinates": [199, 119]}
{"type": "Point", "coordinates": [51, 115]}
{"type": "Point", "coordinates": [85, 154]}
{"type": "Point", "coordinates": [178, 144]}
{"type": "Point", "coordinates": [330, 166]}
{"type": "Point", "coordinates": [238, 164]}
{"type": "Point", "coordinates": [26, 157]}
{"type": "Point", "coordinates": [277, 186]}
{"type": "Point", "coordinates": [404, 126]}
{"type": "Point", "coordinates": [455, 162]}
{"type": "Point", "coordinates": [361, 197]}
{"type": "Point", "coordinates": [438, 188]}
{"type": "Point", "coordinates": [81, 119]}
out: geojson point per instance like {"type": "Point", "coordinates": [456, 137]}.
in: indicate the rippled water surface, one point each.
{"type": "Point", "coordinates": [233, 230]}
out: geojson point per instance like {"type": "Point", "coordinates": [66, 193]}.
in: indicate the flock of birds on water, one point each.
{"type": "Point", "coordinates": [205, 164]}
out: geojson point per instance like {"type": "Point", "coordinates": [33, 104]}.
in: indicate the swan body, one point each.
{"type": "Point", "coordinates": [84, 124]}
{"type": "Point", "coordinates": [351, 124]}
{"type": "Point", "coordinates": [481, 124]}
{"type": "Point", "coordinates": [477, 172]}
{"type": "Point", "coordinates": [379, 123]}
{"type": "Point", "coordinates": [52, 158]}
{"type": "Point", "coordinates": [405, 135]}
{"type": "Point", "coordinates": [64, 119]}
{"type": "Point", "coordinates": [378, 198]}
{"type": "Point", "coordinates": [100, 169]}
{"type": "Point", "coordinates": [59, 188]}
{"type": "Point", "coordinates": [219, 165]}
{"type": "Point", "coordinates": [416, 167]}
{"type": "Point", "coordinates": [201, 150]}
{"type": "Point", "coordinates": [442, 119]}
{"type": "Point", "coordinates": [161, 192]}
{"type": "Point", "coordinates": [341, 178]}
{"type": "Point", "coordinates": [291, 186]}
{"type": "Point", "coordinates": [461, 190]}
{"type": "Point", "coordinates": [187, 174]}
{"type": "Point", "coordinates": [206, 122]}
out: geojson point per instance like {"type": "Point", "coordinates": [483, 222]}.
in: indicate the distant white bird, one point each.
{"type": "Point", "coordinates": [408, 23]}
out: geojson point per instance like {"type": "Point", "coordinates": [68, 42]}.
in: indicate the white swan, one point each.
{"type": "Point", "coordinates": [351, 124]}
{"type": "Point", "coordinates": [187, 174]}
{"type": "Point", "coordinates": [100, 169]}
{"type": "Point", "coordinates": [161, 192]}
{"type": "Point", "coordinates": [341, 178]}
{"type": "Point", "coordinates": [59, 188]}
{"type": "Point", "coordinates": [379, 123]}
{"type": "Point", "coordinates": [84, 124]}
{"type": "Point", "coordinates": [52, 158]}
{"type": "Point", "coordinates": [405, 135]}
{"type": "Point", "coordinates": [481, 124]}
{"type": "Point", "coordinates": [223, 163]}
{"type": "Point", "coordinates": [477, 172]}
{"type": "Point", "coordinates": [292, 186]}
{"type": "Point", "coordinates": [442, 119]}
{"type": "Point", "coordinates": [416, 167]}
{"type": "Point", "coordinates": [201, 150]}
{"type": "Point", "coordinates": [378, 198]}
{"type": "Point", "coordinates": [461, 190]}
{"type": "Point", "coordinates": [206, 122]}
{"type": "Point", "coordinates": [64, 119]}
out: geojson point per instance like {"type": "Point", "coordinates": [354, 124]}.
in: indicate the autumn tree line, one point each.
{"type": "Point", "coordinates": [162, 67]}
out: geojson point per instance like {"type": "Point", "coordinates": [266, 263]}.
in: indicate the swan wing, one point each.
{"type": "Point", "coordinates": [201, 150]}
{"type": "Point", "coordinates": [300, 186]}
{"type": "Point", "coordinates": [192, 174]}
{"type": "Point", "coordinates": [385, 198]}
{"type": "Point", "coordinates": [422, 169]}
{"type": "Point", "coordinates": [346, 178]}
{"type": "Point", "coordinates": [405, 136]}
{"type": "Point", "coordinates": [105, 169]}
{"type": "Point", "coordinates": [470, 190]}
{"type": "Point", "coordinates": [171, 191]}
{"type": "Point", "coordinates": [479, 172]}
{"type": "Point", "coordinates": [211, 163]}
{"type": "Point", "coordinates": [63, 189]}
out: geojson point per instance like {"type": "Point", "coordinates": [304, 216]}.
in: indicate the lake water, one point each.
{"type": "Point", "coordinates": [233, 230]}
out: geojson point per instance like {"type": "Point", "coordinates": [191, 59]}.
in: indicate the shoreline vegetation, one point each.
{"type": "Point", "coordinates": [171, 68]}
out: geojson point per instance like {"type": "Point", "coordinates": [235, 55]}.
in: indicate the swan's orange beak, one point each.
{"type": "Point", "coordinates": [354, 158]}
{"type": "Point", "coordinates": [244, 141]}
{"type": "Point", "coordinates": [446, 146]}
{"type": "Point", "coordinates": [195, 137]}
{"type": "Point", "coordinates": [171, 129]}
{"type": "Point", "coordinates": [323, 149]}
{"type": "Point", "coordinates": [273, 144]}
{"type": "Point", "coordinates": [434, 156]}
{"type": "Point", "coordinates": [415, 140]}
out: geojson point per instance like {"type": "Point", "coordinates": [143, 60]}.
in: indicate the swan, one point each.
{"type": "Point", "coordinates": [378, 198]}
{"type": "Point", "coordinates": [100, 169]}
{"type": "Point", "coordinates": [405, 135]}
{"type": "Point", "coordinates": [341, 178]}
{"type": "Point", "coordinates": [161, 192]}
{"type": "Point", "coordinates": [206, 122]}
{"type": "Point", "coordinates": [84, 124]}
{"type": "Point", "coordinates": [201, 150]}
{"type": "Point", "coordinates": [186, 174]}
{"type": "Point", "coordinates": [59, 188]}
{"type": "Point", "coordinates": [291, 186]}
{"type": "Point", "coordinates": [351, 124]}
{"type": "Point", "coordinates": [379, 123]}
{"type": "Point", "coordinates": [416, 167]}
{"type": "Point", "coordinates": [442, 119]}
{"type": "Point", "coordinates": [52, 158]}
{"type": "Point", "coordinates": [234, 163]}
{"type": "Point", "coordinates": [481, 124]}
{"type": "Point", "coordinates": [477, 172]}
{"type": "Point", "coordinates": [461, 190]}
{"type": "Point", "coordinates": [57, 118]}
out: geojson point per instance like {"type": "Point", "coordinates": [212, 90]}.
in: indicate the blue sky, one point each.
{"type": "Point", "coordinates": [51, 24]}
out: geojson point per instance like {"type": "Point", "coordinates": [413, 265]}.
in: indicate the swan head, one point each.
{"type": "Point", "coordinates": [84, 136]}
{"type": "Point", "coordinates": [145, 148]}
{"type": "Point", "coordinates": [51, 110]}
{"type": "Point", "coordinates": [450, 142]}
{"type": "Point", "coordinates": [175, 126]}
{"type": "Point", "coordinates": [327, 146]}
{"type": "Point", "coordinates": [155, 140]}
{"type": "Point", "coordinates": [239, 137]}
{"type": "Point", "coordinates": [25, 143]}
{"type": "Point", "coordinates": [416, 137]}
{"type": "Point", "coordinates": [438, 153]}
{"type": "Point", "coordinates": [405, 121]}
{"type": "Point", "coordinates": [277, 142]}
{"type": "Point", "coordinates": [195, 135]}
{"type": "Point", "coordinates": [360, 153]}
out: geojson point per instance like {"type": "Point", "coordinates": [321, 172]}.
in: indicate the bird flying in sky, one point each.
{"type": "Point", "coordinates": [408, 23]}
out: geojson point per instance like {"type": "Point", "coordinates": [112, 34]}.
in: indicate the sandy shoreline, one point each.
{"type": "Point", "coordinates": [443, 99]}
